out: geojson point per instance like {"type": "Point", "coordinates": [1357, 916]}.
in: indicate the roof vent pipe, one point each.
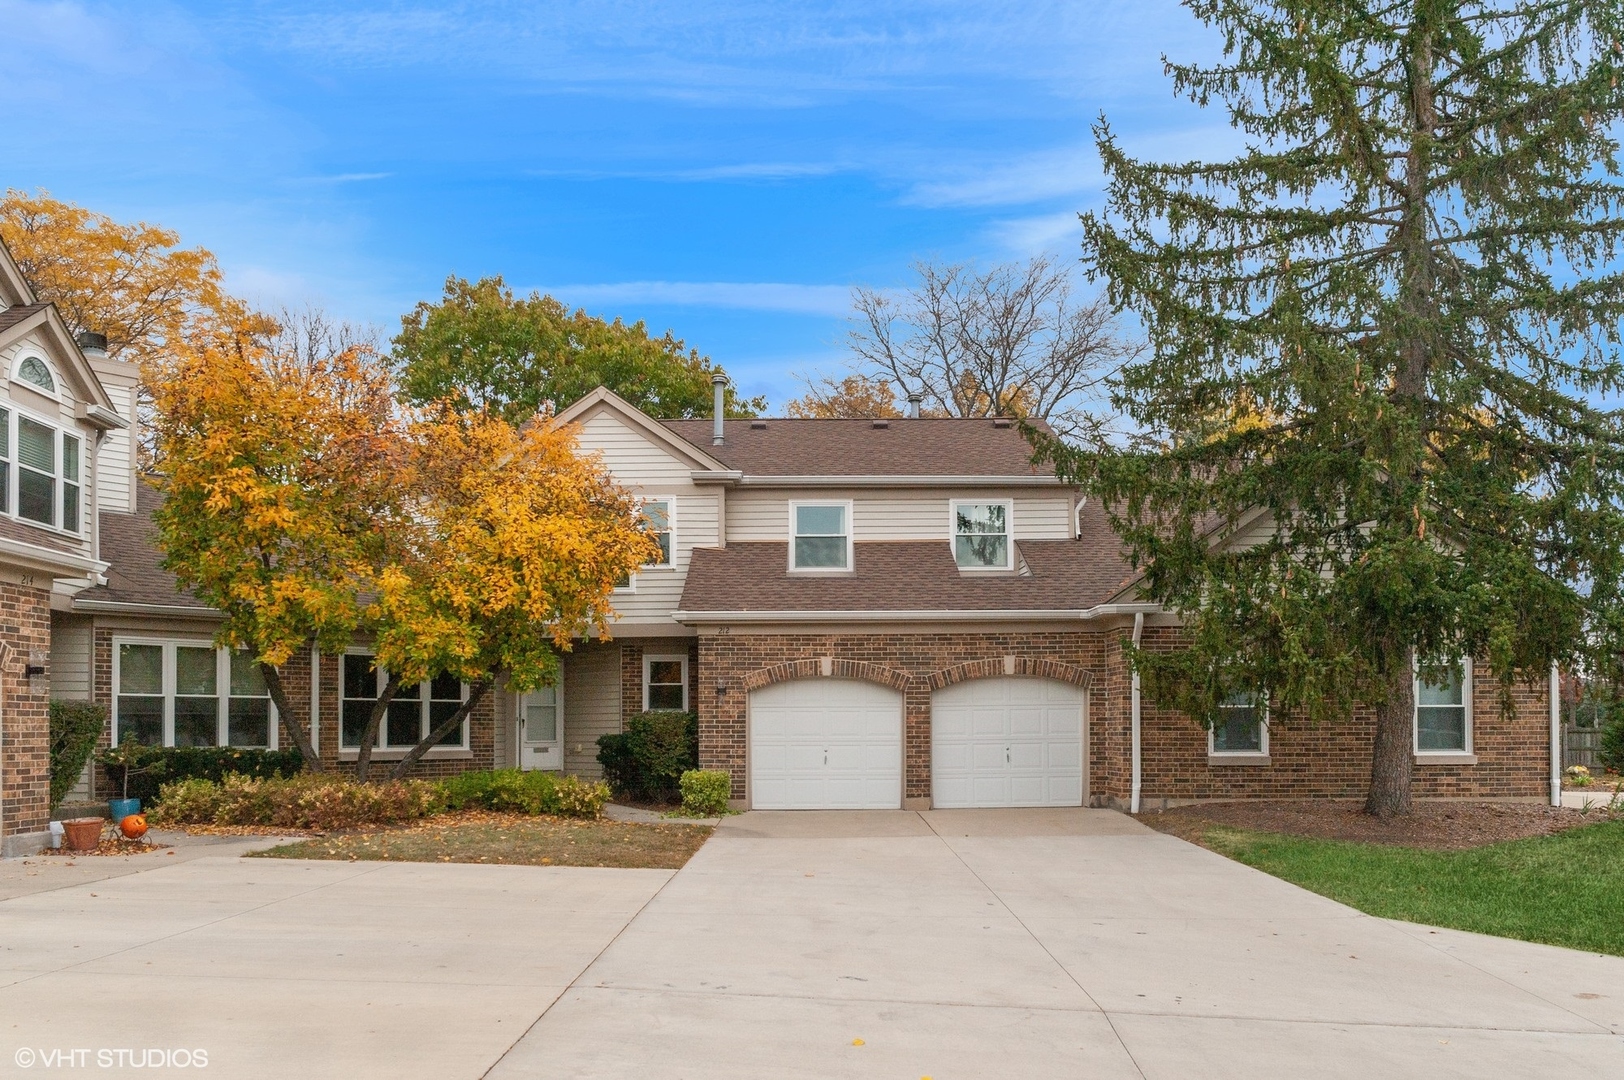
{"type": "Point", "coordinates": [92, 344]}
{"type": "Point", "coordinates": [718, 386]}
{"type": "Point", "coordinates": [913, 404]}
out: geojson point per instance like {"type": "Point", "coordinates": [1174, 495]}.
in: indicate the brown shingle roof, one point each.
{"type": "Point", "coordinates": [926, 447]}
{"type": "Point", "coordinates": [11, 316]}
{"type": "Point", "coordinates": [1066, 575]}
{"type": "Point", "coordinates": [136, 574]}
{"type": "Point", "coordinates": [38, 536]}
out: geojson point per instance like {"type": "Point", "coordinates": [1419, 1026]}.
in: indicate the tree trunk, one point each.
{"type": "Point", "coordinates": [475, 694]}
{"type": "Point", "coordinates": [1392, 759]}
{"type": "Point", "coordinates": [369, 737]}
{"type": "Point", "coordinates": [284, 716]}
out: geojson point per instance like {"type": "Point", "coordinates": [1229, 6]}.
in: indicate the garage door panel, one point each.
{"type": "Point", "coordinates": [825, 744]}
{"type": "Point", "coordinates": [1007, 742]}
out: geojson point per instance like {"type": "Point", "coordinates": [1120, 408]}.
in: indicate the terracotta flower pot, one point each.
{"type": "Point", "coordinates": [82, 834]}
{"type": "Point", "coordinates": [134, 826]}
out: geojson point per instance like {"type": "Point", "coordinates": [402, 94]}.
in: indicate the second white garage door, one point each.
{"type": "Point", "coordinates": [1007, 742]}
{"type": "Point", "coordinates": [825, 744]}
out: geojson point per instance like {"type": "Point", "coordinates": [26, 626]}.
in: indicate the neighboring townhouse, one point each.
{"type": "Point", "coordinates": [59, 425]}
{"type": "Point", "coordinates": [863, 614]}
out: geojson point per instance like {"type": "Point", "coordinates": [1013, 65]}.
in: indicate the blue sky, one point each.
{"type": "Point", "coordinates": [727, 170]}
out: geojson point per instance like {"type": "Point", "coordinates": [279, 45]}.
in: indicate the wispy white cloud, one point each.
{"type": "Point", "coordinates": [1041, 232]}
{"type": "Point", "coordinates": [746, 295]}
{"type": "Point", "coordinates": [1031, 178]}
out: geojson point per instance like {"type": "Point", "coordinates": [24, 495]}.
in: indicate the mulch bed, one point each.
{"type": "Point", "coordinates": [110, 845]}
{"type": "Point", "coordinates": [1443, 826]}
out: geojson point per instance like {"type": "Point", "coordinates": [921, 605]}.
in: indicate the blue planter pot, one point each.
{"type": "Point", "coordinates": [120, 809]}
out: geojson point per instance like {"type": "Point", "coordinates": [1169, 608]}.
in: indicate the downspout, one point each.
{"type": "Point", "coordinates": [1556, 737]}
{"type": "Point", "coordinates": [1133, 791]}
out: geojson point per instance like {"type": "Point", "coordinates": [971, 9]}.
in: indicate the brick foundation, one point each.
{"type": "Point", "coordinates": [25, 723]}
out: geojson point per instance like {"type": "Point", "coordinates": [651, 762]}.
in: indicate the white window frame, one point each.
{"type": "Point", "coordinates": [650, 659]}
{"type": "Point", "coordinates": [851, 537]}
{"type": "Point", "coordinates": [380, 750]}
{"type": "Point", "coordinates": [50, 368]}
{"type": "Point", "coordinates": [222, 687]}
{"type": "Point", "coordinates": [670, 502]}
{"type": "Point", "coordinates": [13, 467]}
{"type": "Point", "coordinates": [1467, 754]}
{"type": "Point", "coordinates": [1009, 533]}
{"type": "Point", "coordinates": [1260, 754]}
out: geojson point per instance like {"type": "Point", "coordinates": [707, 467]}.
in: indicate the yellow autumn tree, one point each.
{"type": "Point", "coordinates": [514, 545]}
{"type": "Point", "coordinates": [851, 397]}
{"type": "Point", "coordinates": [281, 501]}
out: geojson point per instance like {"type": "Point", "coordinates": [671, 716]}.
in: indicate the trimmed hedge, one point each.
{"type": "Point", "coordinates": [647, 760]}
{"type": "Point", "coordinates": [75, 727]}
{"type": "Point", "coordinates": [532, 792]}
{"type": "Point", "coordinates": [705, 792]}
{"type": "Point", "coordinates": [152, 767]}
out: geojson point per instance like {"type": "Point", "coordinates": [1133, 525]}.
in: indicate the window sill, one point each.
{"type": "Point", "coordinates": [437, 753]}
{"type": "Point", "coordinates": [1445, 757]}
{"type": "Point", "coordinates": [1215, 760]}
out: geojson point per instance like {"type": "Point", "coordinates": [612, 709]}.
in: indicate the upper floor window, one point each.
{"type": "Point", "coordinates": [1241, 726]}
{"type": "Point", "coordinates": [981, 535]}
{"type": "Point", "coordinates": [1443, 711]}
{"type": "Point", "coordinates": [32, 370]}
{"type": "Point", "coordinates": [411, 715]}
{"type": "Point", "coordinates": [657, 520]}
{"type": "Point", "coordinates": [177, 693]}
{"type": "Point", "coordinates": [821, 536]}
{"type": "Point", "coordinates": [39, 472]}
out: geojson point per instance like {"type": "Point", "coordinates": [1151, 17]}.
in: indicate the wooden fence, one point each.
{"type": "Point", "coordinates": [1579, 746]}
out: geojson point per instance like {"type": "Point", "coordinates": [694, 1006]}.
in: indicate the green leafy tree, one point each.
{"type": "Point", "coordinates": [1411, 276]}
{"type": "Point", "coordinates": [483, 348]}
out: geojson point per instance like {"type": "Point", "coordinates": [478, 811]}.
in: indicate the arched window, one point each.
{"type": "Point", "coordinates": [33, 370]}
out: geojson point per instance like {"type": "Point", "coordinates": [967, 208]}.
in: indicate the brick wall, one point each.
{"type": "Point", "coordinates": [25, 764]}
{"type": "Point", "coordinates": [1328, 760]}
{"type": "Point", "coordinates": [632, 651]}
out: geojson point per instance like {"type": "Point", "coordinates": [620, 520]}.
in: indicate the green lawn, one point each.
{"type": "Point", "coordinates": [1566, 889]}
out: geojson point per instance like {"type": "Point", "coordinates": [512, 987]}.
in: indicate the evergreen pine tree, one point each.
{"type": "Point", "coordinates": [1391, 326]}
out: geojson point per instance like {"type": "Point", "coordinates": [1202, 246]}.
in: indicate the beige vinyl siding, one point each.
{"type": "Point", "coordinates": [591, 704]}
{"type": "Point", "coordinates": [630, 455]}
{"type": "Point", "coordinates": [70, 659]}
{"type": "Point", "coordinates": [115, 464]}
{"type": "Point", "coordinates": [894, 514]}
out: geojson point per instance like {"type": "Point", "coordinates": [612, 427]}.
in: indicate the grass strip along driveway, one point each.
{"type": "Point", "coordinates": [1565, 889]}
{"type": "Point", "coordinates": [523, 839]}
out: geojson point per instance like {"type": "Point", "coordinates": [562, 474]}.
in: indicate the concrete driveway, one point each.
{"type": "Point", "coordinates": [1047, 943]}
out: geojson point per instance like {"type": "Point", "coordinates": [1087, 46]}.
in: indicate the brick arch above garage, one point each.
{"type": "Point", "coordinates": [815, 667]}
{"type": "Point", "coordinates": [994, 667]}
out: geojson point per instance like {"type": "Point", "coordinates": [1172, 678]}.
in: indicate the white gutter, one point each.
{"type": "Point", "coordinates": [49, 560]}
{"type": "Point", "coordinates": [1556, 737]}
{"type": "Point", "coordinates": [1133, 790]}
{"type": "Point", "coordinates": [145, 609]}
{"type": "Point", "coordinates": [703, 476]}
{"type": "Point", "coordinates": [927, 615]}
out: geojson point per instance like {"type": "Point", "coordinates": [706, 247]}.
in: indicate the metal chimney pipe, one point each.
{"type": "Point", "coordinates": [913, 404]}
{"type": "Point", "coordinates": [718, 385]}
{"type": "Point", "coordinates": [92, 344]}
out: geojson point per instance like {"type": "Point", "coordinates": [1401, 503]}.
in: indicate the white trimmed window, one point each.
{"type": "Point", "coordinates": [1443, 711]}
{"type": "Point", "coordinates": [188, 693]}
{"type": "Point", "coordinates": [40, 470]}
{"type": "Point", "coordinates": [659, 517]}
{"type": "Point", "coordinates": [413, 712]}
{"type": "Point", "coordinates": [35, 373]}
{"type": "Point", "coordinates": [665, 682]}
{"type": "Point", "coordinates": [981, 534]}
{"type": "Point", "coordinates": [820, 536]}
{"type": "Point", "coordinates": [1241, 728]}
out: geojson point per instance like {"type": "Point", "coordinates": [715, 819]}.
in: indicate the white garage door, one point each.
{"type": "Point", "coordinates": [1007, 742]}
{"type": "Point", "coordinates": [825, 744]}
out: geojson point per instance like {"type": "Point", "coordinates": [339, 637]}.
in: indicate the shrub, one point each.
{"type": "Point", "coordinates": [705, 792]}
{"type": "Point", "coordinates": [75, 727]}
{"type": "Point", "coordinates": [151, 767]}
{"type": "Point", "coordinates": [1611, 751]}
{"type": "Point", "coordinates": [306, 801]}
{"type": "Point", "coordinates": [647, 760]}
{"type": "Point", "coordinates": [513, 791]}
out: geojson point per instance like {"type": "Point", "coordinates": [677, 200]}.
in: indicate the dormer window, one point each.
{"type": "Point", "coordinates": [32, 370]}
{"type": "Point", "coordinates": [981, 539]}
{"type": "Point", "coordinates": [821, 537]}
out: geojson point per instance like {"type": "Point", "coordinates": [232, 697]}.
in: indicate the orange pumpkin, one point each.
{"type": "Point", "coordinates": [134, 826]}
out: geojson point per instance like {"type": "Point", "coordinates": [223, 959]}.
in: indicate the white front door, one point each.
{"type": "Point", "coordinates": [1007, 742]}
{"type": "Point", "coordinates": [825, 744]}
{"type": "Point", "coordinates": [541, 729]}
